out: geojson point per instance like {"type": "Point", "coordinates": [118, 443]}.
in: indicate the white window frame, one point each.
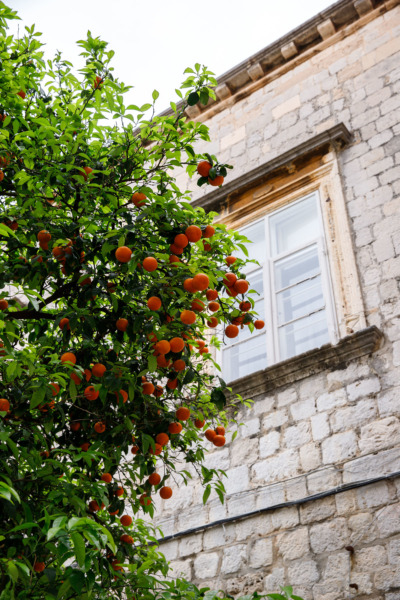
{"type": "Point", "coordinates": [269, 285]}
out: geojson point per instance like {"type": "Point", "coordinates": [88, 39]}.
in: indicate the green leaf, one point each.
{"type": "Point", "coordinates": [207, 493]}
{"type": "Point", "coordinates": [12, 569]}
{"type": "Point", "coordinates": [79, 547]}
{"type": "Point", "coordinates": [77, 580]}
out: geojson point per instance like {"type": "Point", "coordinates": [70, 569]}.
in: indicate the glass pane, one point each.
{"type": "Point", "coordinates": [297, 267]}
{"type": "Point", "coordinates": [300, 300]}
{"type": "Point", "coordinates": [302, 335]}
{"type": "Point", "coordinates": [256, 250]}
{"type": "Point", "coordinates": [245, 358]}
{"type": "Point", "coordinates": [294, 226]}
{"type": "Point", "coordinates": [256, 283]}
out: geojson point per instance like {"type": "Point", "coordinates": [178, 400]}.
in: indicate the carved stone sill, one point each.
{"type": "Point", "coordinates": [327, 357]}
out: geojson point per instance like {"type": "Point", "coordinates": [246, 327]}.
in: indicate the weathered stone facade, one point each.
{"type": "Point", "coordinates": [319, 453]}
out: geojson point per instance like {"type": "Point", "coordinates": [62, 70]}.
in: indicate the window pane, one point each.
{"type": "Point", "coordinates": [302, 335]}
{"type": "Point", "coordinates": [300, 300]}
{"type": "Point", "coordinates": [297, 267]}
{"type": "Point", "coordinates": [245, 358]}
{"type": "Point", "coordinates": [256, 234]}
{"type": "Point", "coordinates": [256, 283]}
{"type": "Point", "coordinates": [294, 226]}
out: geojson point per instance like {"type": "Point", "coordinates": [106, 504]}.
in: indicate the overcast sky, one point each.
{"type": "Point", "coordinates": [155, 40]}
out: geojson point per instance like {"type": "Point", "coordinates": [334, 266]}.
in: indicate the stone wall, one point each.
{"type": "Point", "coordinates": [340, 426]}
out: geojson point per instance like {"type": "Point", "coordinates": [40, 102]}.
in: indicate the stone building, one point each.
{"type": "Point", "coordinates": [312, 126]}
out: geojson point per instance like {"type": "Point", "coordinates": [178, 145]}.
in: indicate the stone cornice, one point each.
{"type": "Point", "coordinates": [339, 134]}
{"type": "Point", "coordinates": [309, 363]}
{"type": "Point", "coordinates": [306, 40]}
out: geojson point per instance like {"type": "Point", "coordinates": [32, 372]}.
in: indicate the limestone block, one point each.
{"type": "Point", "coordinates": [303, 572]}
{"type": "Point", "coordinates": [273, 581]}
{"type": "Point", "coordinates": [217, 510]}
{"type": "Point", "coordinates": [244, 451]}
{"type": "Point", "coordinates": [285, 518]}
{"type": "Point", "coordinates": [206, 565]}
{"type": "Point", "coordinates": [269, 444]}
{"type": "Point", "coordinates": [255, 71]}
{"type": "Point", "coordinates": [289, 50]}
{"type": "Point", "coordinates": [387, 578]}
{"type": "Point", "coordinates": [367, 559]}
{"type": "Point", "coordinates": [374, 495]}
{"type": "Point", "coordinates": [295, 489]}
{"type": "Point", "coordinates": [323, 480]}
{"type": "Point", "coordinates": [346, 503]}
{"type": "Point", "coordinates": [234, 558]}
{"type": "Point", "coordinates": [278, 467]}
{"type": "Point", "coordinates": [270, 496]}
{"type": "Point", "coordinates": [333, 399]}
{"type": "Point", "coordinates": [261, 553]}
{"type": "Point", "coordinates": [240, 503]}
{"type": "Point", "coordinates": [368, 467]}
{"type": "Point", "coordinates": [286, 107]}
{"type": "Point", "coordinates": [353, 416]}
{"type": "Point", "coordinates": [293, 544]}
{"type": "Point", "coordinates": [329, 536]}
{"type": "Point", "coordinates": [379, 435]}
{"type": "Point", "coordinates": [303, 409]}
{"type": "Point", "coordinates": [320, 426]}
{"type": "Point", "coordinates": [169, 549]}
{"type": "Point", "coordinates": [388, 520]}
{"type": "Point", "coordinates": [310, 457]}
{"type": "Point", "coordinates": [363, 528]}
{"type": "Point", "coordinates": [297, 435]}
{"type": "Point", "coordinates": [337, 566]}
{"type": "Point", "coordinates": [275, 419]}
{"type": "Point", "coordinates": [394, 551]}
{"type": "Point", "coordinates": [218, 460]}
{"type": "Point", "coordinates": [259, 525]}
{"type": "Point", "coordinates": [222, 91]}
{"type": "Point", "coordinates": [332, 589]}
{"type": "Point", "coordinates": [237, 480]}
{"type": "Point", "coordinates": [326, 29]}
{"type": "Point", "coordinates": [264, 405]}
{"type": "Point", "coordinates": [181, 568]}
{"type": "Point", "coordinates": [251, 427]}
{"type": "Point", "coordinates": [195, 517]}
{"type": "Point", "coordinates": [363, 6]}
{"type": "Point", "coordinates": [317, 510]}
{"type": "Point", "coordinates": [213, 538]}
{"type": "Point", "coordinates": [191, 544]}
{"type": "Point", "coordinates": [339, 447]}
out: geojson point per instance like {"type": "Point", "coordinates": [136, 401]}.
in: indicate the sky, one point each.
{"type": "Point", "coordinates": [155, 40]}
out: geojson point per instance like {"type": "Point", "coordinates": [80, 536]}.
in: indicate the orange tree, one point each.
{"type": "Point", "coordinates": [109, 282]}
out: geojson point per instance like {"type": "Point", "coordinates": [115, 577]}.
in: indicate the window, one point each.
{"type": "Point", "coordinates": [292, 279]}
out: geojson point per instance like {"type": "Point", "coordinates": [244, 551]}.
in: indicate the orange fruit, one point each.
{"type": "Point", "coordinates": [209, 231]}
{"type": "Point", "coordinates": [201, 281]}
{"type": "Point", "coordinates": [188, 317]}
{"type": "Point", "coordinates": [68, 357]}
{"type": "Point", "coordinates": [211, 294]}
{"type": "Point", "coordinates": [172, 383]}
{"type": "Point", "coordinates": [99, 427]}
{"type": "Point", "coordinates": [154, 303]}
{"type": "Point", "coordinates": [113, 512]}
{"type": "Point", "coordinates": [174, 259]}
{"type": "Point", "coordinates": [21, 94]}
{"type": "Point", "coordinates": [157, 450]}
{"type": "Point", "coordinates": [3, 304]}
{"type": "Point", "coordinates": [64, 323]}
{"type": "Point", "coordinates": [165, 492]}
{"type": "Point", "coordinates": [122, 394]}
{"type": "Point", "coordinates": [87, 170]}
{"type": "Point", "coordinates": [259, 324]}
{"type": "Point", "coordinates": [232, 331]}
{"type": "Point", "coordinates": [183, 413]}
{"type": "Point", "coordinates": [106, 477]}
{"type": "Point", "coordinates": [162, 347]}
{"type": "Point", "coordinates": [217, 181]}
{"type": "Point", "coordinates": [219, 440]}
{"type": "Point", "coordinates": [38, 566]}
{"type": "Point", "coordinates": [158, 392]}
{"type": "Point", "coordinates": [138, 199]}
{"type": "Point", "coordinates": [145, 500]}
{"type": "Point", "coordinates": [56, 388]}
{"type": "Point", "coordinates": [245, 306]}
{"type": "Point", "coordinates": [230, 260]}
{"type": "Point", "coordinates": [93, 506]}
{"type": "Point", "coordinates": [176, 249]}
{"type": "Point", "coordinates": [97, 82]}
{"type": "Point", "coordinates": [119, 491]}
{"type": "Point", "coordinates": [135, 449]}
{"type": "Point", "coordinates": [122, 324]}
{"type": "Point", "coordinates": [175, 428]}
{"type": "Point", "coordinates": [127, 539]}
{"type": "Point", "coordinates": [188, 285]}
{"type": "Point", "coordinates": [44, 236]}
{"type": "Point", "coordinates": [179, 365]}
{"type": "Point", "coordinates": [207, 247]}
{"type": "Point", "coordinates": [162, 439]}
{"type": "Point", "coordinates": [75, 426]}
{"type": "Point", "coordinates": [212, 322]}
{"type": "Point", "coordinates": [203, 168]}
{"type": "Point", "coordinates": [197, 305]}
{"type": "Point", "coordinates": [90, 393]}
{"type": "Point", "coordinates": [85, 446]}
{"type": "Point", "coordinates": [150, 264]}
{"type": "Point", "coordinates": [210, 434]}
{"type": "Point", "coordinates": [220, 430]}
{"type": "Point", "coordinates": [229, 279]}
{"type": "Point", "coordinates": [1, 175]}
{"type": "Point", "coordinates": [4, 405]}
{"type": "Point", "coordinates": [147, 388]}
{"type": "Point", "coordinates": [126, 520]}
{"type": "Point", "coordinates": [241, 286]}
{"type": "Point", "coordinates": [193, 233]}
{"type": "Point", "coordinates": [162, 361]}
{"type": "Point", "coordinates": [231, 292]}
{"type": "Point", "coordinates": [199, 423]}
{"type": "Point", "coordinates": [123, 254]}
{"type": "Point", "coordinates": [213, 306]}
{"type": "Point", "coordinates": [154, 479]}
{"type": "Point", "coordinates": [98, 370]}
{"type": "Point", "coordinates": [181, 240]}
{"type": "Point", "coordinates": [177, 344]}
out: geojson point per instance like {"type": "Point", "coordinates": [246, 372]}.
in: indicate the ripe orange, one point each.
{"type": "Point", "coordinates": [123, 254]}
{"type": "Point", "coordinates": [147, 388]}
{"type": "Point", "coordinates": [219, 440]}
{"type": "Point", "coordinates": [162, 361]}
{"type": "Point", "coordinates": [3, 304]}
{"type": "Point", "coordinates": [197, 305]}
{"type": "Point", "coordinates": [97, 82]}
{"type": "Point", "coordinates": [188, 285]}
{"type": "Point", "coordinates": [119, 491]}
{"type": "Point", "coordinates": [150, 264]}
{"type": "Point", "coordinates": [37, 566]}
{"type": "Point", "coordinates": [44, 236]}
{"type": "Point", "coordinates": [176, 249]}
{"type": "Point", "coordinates": [157, 450]}
{"type": "Point", "coordinates": [201, 281]}
{"type": "Point", "coordinates": [175, 428]}
{"type": "Point", "coordinates": [177, 344]}
{"type": "Point", "coordinates": [154, 479]}
{"type": "Point", "coordinates": [90, 393]}
{"type": "Point", "coordinates": [165, 492]}
{"type": "Point", "coordinates": [210, 434]}
{"type": "Point", "coordinates": [21, 94]}
{"type": "Point", "coordinates": [56, 388]}
{"type": "Point", "coordinates": [231, 292]}
{"type": "Point", "coordinates": [179, 365]}
{"type": "Point", "coordinates": [199, 423]}
{"type": "Point", "coordinates": [158, 392]}
{"type": "Point", "coordinates": [85, 446]}
{"type": "Point", "coordinates": [209, 231]}
{"type": "Point", "coordinates": [183, 413]}
{"type": "Point", "coordinates": [4, 405]}
{"type": "Point", "coordinates": [245, 306]}
{"type": "Point", "coordinates": [135, 449]}
{"type": "Point", "coordinates": [172, 383]}
{"type": "Point", "coordinates": [211, 294]}
{"type": "Point", "coordinates": [188, 317]}
{"type": "Point", "coordinates": [127, 539]}
{"type": "Point", "coordinates": [232, 331]}
{"type": "Point", "coordinates": [126, 520]}
{"type": "Point", "coordinates": [106, 477]}
{"type": "Point", "coordinates": [98, 370]}
{"type": "Point", "coordinates": [193, 233]}
{"type": "Point", "coordinates": [220, 430]}
{"type": "Point", "coordinates": [162, 347]}
{"type": "Point", "coordinates": [212, 322]}
{"type": "Point", "coordinates": [122, 394]}
{"type": "Point", "coordinates": [99, 427]}
{"type": "Point", "coordinates": [68, 357]}
{"type": "Point", "coordinates": [87, 170]}
{"type": "Point", "coordinates": [122, 324]}
{"type": "Point", "coordinates": [241, 286]}
{"type": "Point", "coordinates": [94, 507]}
{"type": "Point", "coordinates": [217, 181]}
{"type": "Point", "coordinates": [174, 259]}
{"type": "Point", "coordinates": [213, 306]}
{"type": "Point", "coordinates": [113, 512]}
{"type": "Point", "coordinates": [259, 324]}
{"type": "Point", "coordinates": [203, 168]}
{"type": "Point", "coordinates": [207, 247]}
{"type": "Point", "coordinates": [1, 175]}
{"type": "Point", "coordinates": [181, 240]}
{"type": "Point", "coordinates": [64, 323]}
{"type": "Point", "coordinates": [229, 279]}
{"type": "Point", "coordinates": [230, 260]}
{"type": "Point", "coordinates": [162, 439]}
{"type": "Point", "coordinates": [138, 199]}
{"type": "Point", "coordinates": [75, 426]}
{"type": "Point", "coordinates": [154, 303]}
{"type": "Point", "coordinates": [145, 500]}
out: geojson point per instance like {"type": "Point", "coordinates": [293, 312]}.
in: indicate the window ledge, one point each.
{"type": "Point", "coordinates": [309, 363]}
